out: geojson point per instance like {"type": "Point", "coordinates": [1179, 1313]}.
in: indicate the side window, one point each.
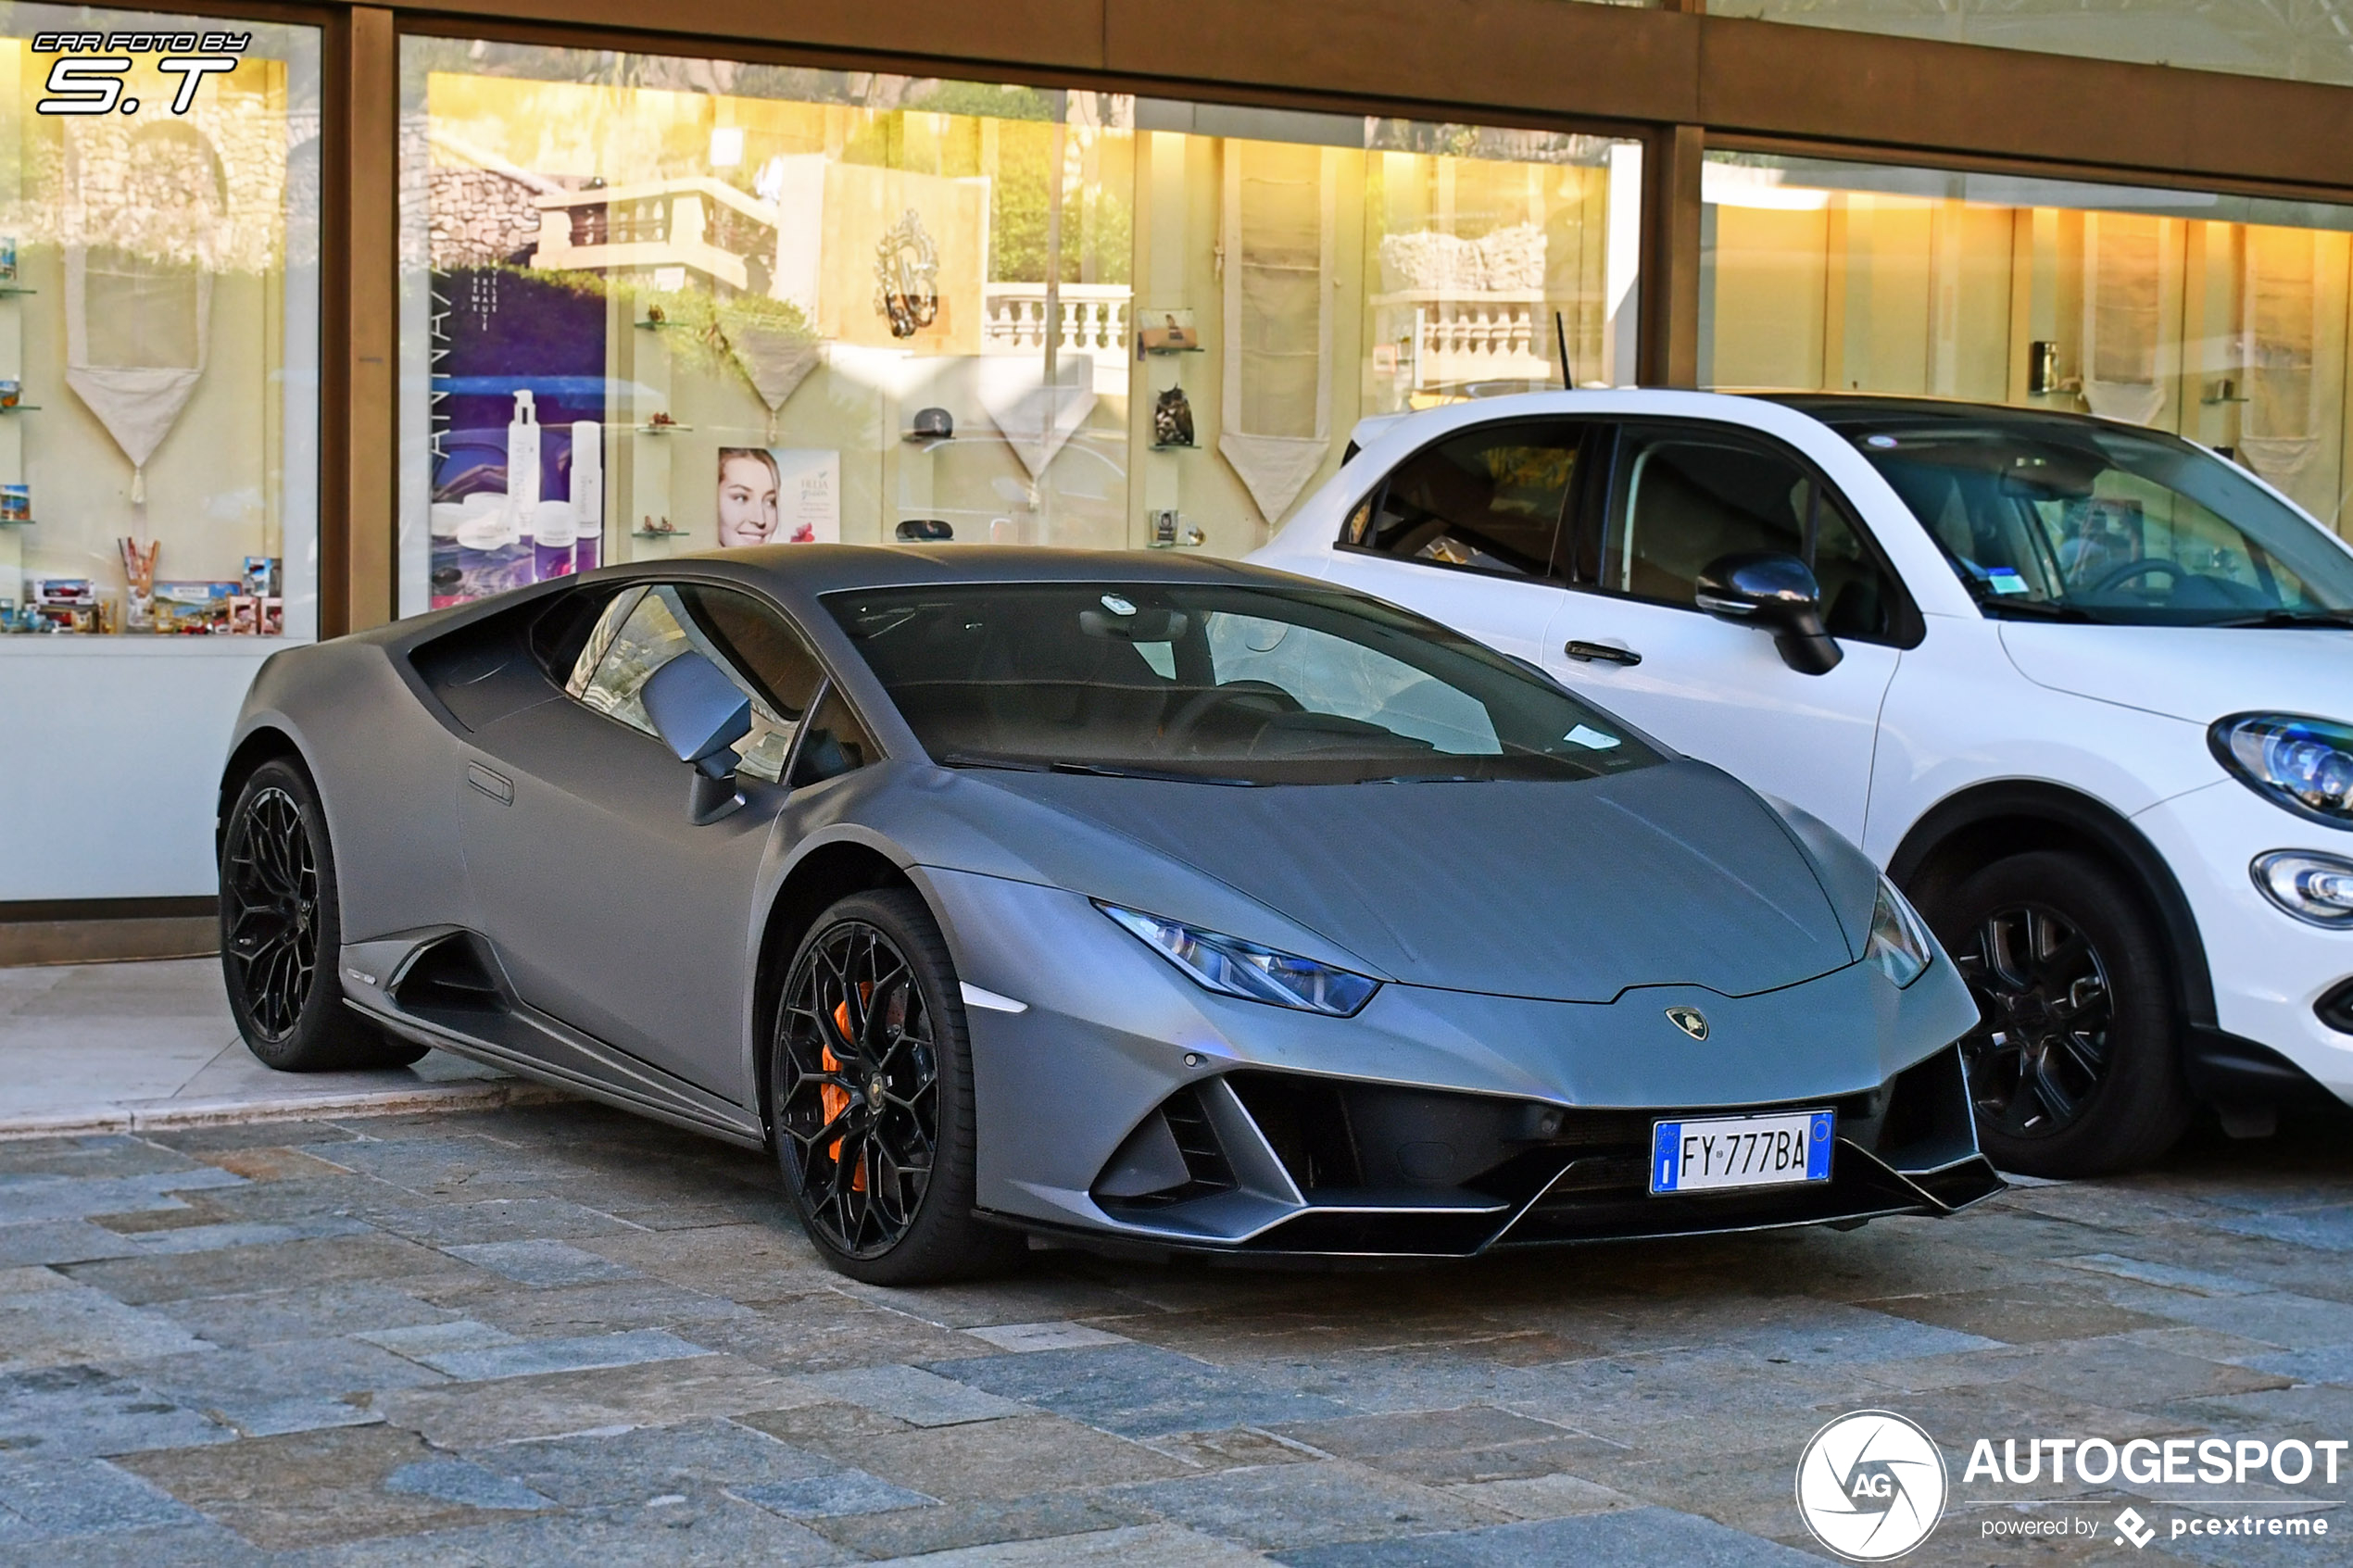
{"type": "Point", "coordinates": [600, 636]}
{"type": "Point", "coordinates": [837, 743]}
{"type": "Point", "coordinates": [1491, 499]}
{"type": "Point", "coordinates": [757, 649]}
{"type": "Point", "coordinates": [1684, 499]}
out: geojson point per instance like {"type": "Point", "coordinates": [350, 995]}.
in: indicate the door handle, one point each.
{"type": "Point", "coordinates": [1605, 653]}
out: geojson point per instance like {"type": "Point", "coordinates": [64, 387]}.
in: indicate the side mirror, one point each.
{"type": "Point", "coordinates": [699, 713]}
{"type": "Point", "coordinates": [1778, 593]}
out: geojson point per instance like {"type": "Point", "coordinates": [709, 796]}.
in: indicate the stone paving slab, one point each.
{"type": "Point", "coordinates": [552, 1334]}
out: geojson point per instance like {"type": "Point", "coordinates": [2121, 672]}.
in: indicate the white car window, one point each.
{"type": "Point", "coordinates": [1688, 499]}
{"type": "Point", "coordinates": [1492, 499]}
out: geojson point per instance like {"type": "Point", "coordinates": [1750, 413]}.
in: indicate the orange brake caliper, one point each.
{"type": "Point", "coordinates": [833, 1097]}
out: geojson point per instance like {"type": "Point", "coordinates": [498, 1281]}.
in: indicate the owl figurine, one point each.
{"type": "Point", "coordinates": [1173, 419]}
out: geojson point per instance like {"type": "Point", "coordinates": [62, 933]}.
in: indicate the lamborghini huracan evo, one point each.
{"type": "Point", "coordinates": [1117, 900]}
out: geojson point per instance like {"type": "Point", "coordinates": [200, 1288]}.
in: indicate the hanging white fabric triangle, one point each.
{"type": "Point", "coordinates": [146, 309]}
{"type": "Point", "coordinates": [1036, 417]}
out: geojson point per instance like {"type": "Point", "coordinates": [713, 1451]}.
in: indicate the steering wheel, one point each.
{"type": "Point", "coordinates": [1201, 704]}
{"type": "Point", "coordinates": [2133, 569]}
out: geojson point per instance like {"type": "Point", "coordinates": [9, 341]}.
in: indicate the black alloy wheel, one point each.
{"type": "Point", "coordinates": [2073, 1066]}
{"type": "Point", "coordinates": [2040, 1057]}
{"type": "Point", "coordinates": [269, 911]}
{"type": "Point", "coordinates": [282, 931]}
{"type": "Point", "coordinates": [871, 1079]}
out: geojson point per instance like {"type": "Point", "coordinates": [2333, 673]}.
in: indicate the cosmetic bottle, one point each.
{"type": "Point", "coordinates": [441, 568]}
{"type": "Point", "coordinates": [522, 460]}
{"type": "Point", "coordinates": [552, 542]}
{"type": "Point", "coordinates": [588, 495]}
{"type": "Point", "coordinates": [486, 553]}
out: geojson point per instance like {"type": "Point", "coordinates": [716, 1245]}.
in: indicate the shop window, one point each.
{"type": "Point", "coordinates": [2223, 319]}
{"type": "Point", "coordinates": [655, 304]}
{"type": "Point", "coordinates": [2252, 37]}
{"type": "Point", "coordinates": [159, 308]}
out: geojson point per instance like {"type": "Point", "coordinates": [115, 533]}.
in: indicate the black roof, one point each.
{"type": "Point", "coordinates": [1851, 410]}
{"type": "Point", "coordinates": [824, 568]}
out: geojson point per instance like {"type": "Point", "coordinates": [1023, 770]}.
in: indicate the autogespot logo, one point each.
{"type": "Point", "coordinates": [1871, 1486]}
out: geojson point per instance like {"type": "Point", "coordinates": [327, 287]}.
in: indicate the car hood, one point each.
{"type": "Point", "coordinates": [1567, 892]}
{"type": "Point", "coordinates": [2198, 674]}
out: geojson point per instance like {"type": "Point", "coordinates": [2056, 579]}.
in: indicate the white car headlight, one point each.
{"type": "Point", "coordinates": [1235, 968]}
{"type": "Point", "coordinates": [2302, 764]}
{"type": "Point", "coordinates": [2317, 889]}
{"type": "Point", "coordinates": [1899, 943]}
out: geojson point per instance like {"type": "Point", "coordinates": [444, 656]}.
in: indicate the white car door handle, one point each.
{"type": "Point", "coordinates": [1605, 653]}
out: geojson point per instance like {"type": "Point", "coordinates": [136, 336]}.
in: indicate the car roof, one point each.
{"type": "Point", "coordinates": [807, 570]}
{"type": "Point", "coordinates": [1845, 410]}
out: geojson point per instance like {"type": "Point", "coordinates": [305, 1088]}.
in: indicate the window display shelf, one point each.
{"type": "Point", "coordinates": [658, 534]}
{"type": "Point", "coordinates": [662, 430]}
{"type": "Point", "coordinates": [20, 408]}
{"type": "Point", "coordinates": [9, 290]}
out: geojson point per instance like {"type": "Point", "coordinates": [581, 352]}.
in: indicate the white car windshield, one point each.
{"type": "Point", "coordinates": [2077, 519]}
{"type": "Point", "coordinates": [1219, 682]}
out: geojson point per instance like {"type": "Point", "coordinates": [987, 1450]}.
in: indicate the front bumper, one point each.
{"type": "Point", "coordinates": [1123, 1102]}
{"type": "Point", "coordinates": [2268, 969]}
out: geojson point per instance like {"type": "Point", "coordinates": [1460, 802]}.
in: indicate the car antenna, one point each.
{"type": "Point", "coordinates": [1560, 334]}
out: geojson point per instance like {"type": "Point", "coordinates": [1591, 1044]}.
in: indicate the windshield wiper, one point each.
{"type": "Point", "coordinates": [1165, 776]}
{"type": "Point", "coordinates": [2287, 618]}
{"type": "Point", "coordinates": [1424, 778]}
{"type": "Point", "coordinates": [970, 759]}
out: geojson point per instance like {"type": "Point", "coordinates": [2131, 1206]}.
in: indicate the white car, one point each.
{"type": "Point", "coordinates": [2084, 689]}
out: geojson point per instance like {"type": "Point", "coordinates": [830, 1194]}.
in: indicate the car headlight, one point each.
{"type": "Point", "coordinates": [1235, 968]}
{"type": "Point", "coordinates": [1899, 944]}
{"type": "Point", "coordinates": [2303, 764]}
{"type": "Point", "coordinates": [2317, 889]}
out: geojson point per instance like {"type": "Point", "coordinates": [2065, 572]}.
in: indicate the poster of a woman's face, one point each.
{"type": "Point", "coordinates": [747, 484]}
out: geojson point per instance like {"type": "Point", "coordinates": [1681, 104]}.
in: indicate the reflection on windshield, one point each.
{"type": "Point", "coordinates": [2067, 519]}
{"type": "Point", "coordinates": [1217, 684]}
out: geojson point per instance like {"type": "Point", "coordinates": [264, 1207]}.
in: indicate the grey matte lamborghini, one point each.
{"type": "Point", "coordinates": [1124, 901]}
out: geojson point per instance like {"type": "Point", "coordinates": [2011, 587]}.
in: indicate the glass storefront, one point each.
{"type": "Point", "coordinates": [159, 328]}
{"type": "Point", "coordinates": [654, 305]}
{"type": "Point", "coordinates": [2223, 319]}
{"type": "Point", "coordinates": [159, 441]}
{"type": "Point", "coordinates": [2295, 39]}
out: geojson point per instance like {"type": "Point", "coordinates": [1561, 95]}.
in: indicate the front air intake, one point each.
{"type": "Point", "coordinates": [1173, 1156]}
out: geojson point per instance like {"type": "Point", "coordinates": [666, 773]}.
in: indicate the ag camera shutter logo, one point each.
{"type": "Point", "coordinates": [1871, 1486]}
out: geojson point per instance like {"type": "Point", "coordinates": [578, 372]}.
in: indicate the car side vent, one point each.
{"type": "Point", "coordinates": [455, 974]}
{"type": "Point", "coordinates": [1173, 1156]}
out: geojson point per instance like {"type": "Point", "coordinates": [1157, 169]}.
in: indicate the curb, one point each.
{"type": "Point", "coordinates": [158, 1115]}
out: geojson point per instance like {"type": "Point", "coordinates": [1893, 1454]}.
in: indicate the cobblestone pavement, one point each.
{"type": "Point", "coordinates": [557, 1335]}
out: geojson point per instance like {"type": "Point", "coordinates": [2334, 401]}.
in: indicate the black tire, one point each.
{"type": "Point", "coordinates": [2073, 1065]}
{"type": "Point", "coordinates": [282, 929]}
{"type": "Point", "coordinates": [872, 1015]}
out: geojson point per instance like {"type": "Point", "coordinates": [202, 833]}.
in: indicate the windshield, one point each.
{"type": "Point", "coordinates": [2067, 519]}
{"type": "Point", "coordinates": [1223, 683]}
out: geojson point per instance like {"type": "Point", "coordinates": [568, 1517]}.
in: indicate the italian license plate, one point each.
{"type": "Point", "coordinates": [1786, 1149]}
